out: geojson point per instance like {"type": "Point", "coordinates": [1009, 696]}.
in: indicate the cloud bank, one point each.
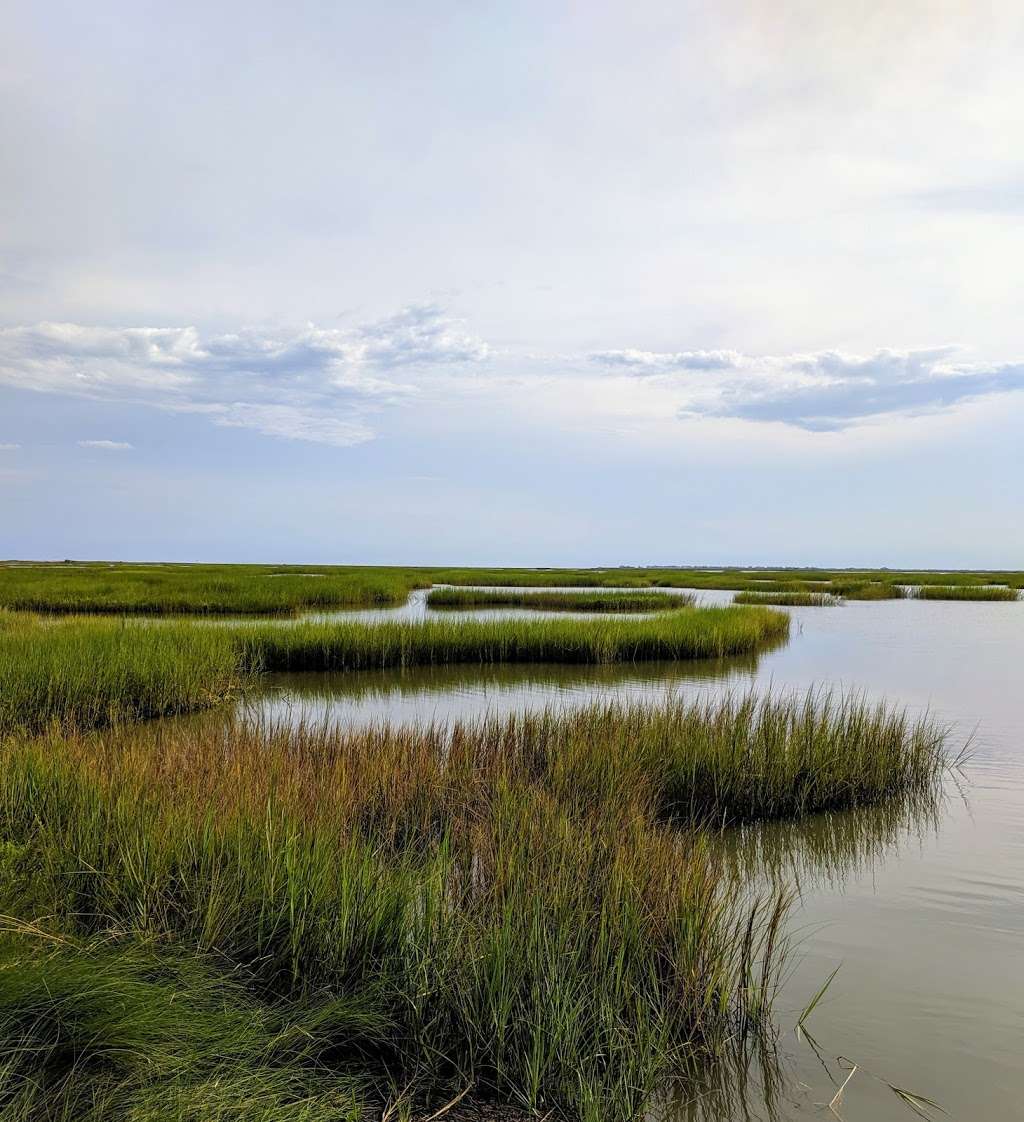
{"type": "Point", "coordinates": [822, 391]}
{"type": "Point", "coordinates": [330, 386]}
{"type": "Point", "coordinates": [107, 445]}
{"type": "Point", "coordinates": [313, 384]}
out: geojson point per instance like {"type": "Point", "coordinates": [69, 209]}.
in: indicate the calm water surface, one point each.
{"type": "Point", "coordinates": [924, 916]}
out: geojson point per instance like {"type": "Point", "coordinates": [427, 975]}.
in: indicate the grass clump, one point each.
{"type": "Point", "coordinates": [240, 920]}
{"type": "Point", "coordinates": [431, 909]}
{"type": "Point", "coordinates": [266, 919]}
{"type": "Point", "coordinates": [691, 634]}
{"type": "Point", "coordinates": [121, 1028]}
{"type": "Point", "coordinates": [867, 590]}
{"type": "Point", "coordinates": [558, 601]}
{"type": "Point", "coordinates": [787, 599]}
{"type": "Point", "coordinates": [964, 592]}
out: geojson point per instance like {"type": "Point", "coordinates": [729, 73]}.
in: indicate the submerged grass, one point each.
{"type": "Point", "coordinates": [516, 906]}
{"type": "Point", "coordinates": [91, 672]}
{"type": "Point", "coordinates": [645, 601]}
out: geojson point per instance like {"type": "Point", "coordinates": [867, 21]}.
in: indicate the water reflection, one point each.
{"type": "Point", "coordinates": [448, 693]}
{"type": "Point", "coordinates": [826, 851]}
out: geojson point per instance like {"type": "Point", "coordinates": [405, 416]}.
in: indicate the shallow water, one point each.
{"type": "Point", "coordinates": [924, 916]}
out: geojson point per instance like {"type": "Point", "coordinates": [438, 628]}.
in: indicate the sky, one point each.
{"type": "Point", "coordinates": [723, 282]}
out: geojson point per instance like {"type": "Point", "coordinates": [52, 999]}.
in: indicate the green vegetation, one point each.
{"type": "Point", "coordinates": [867, 590]}
{"type": "Point", "coordinates": [964, 592]}
{"type": "Point", "coordinates": [198, 589]}
{"type": "Point", "coordinates": [275, 922]}
{"type": "Point", "coordinates": [690, 634]}
{"type": "Point", "coordinates": [558, 601]}
{"type": "Point", "coordinates": [163, 589]}
{"type": "Point", "coordinates": [787, 599]}
{"type": "Point", "coordinates": [90, 672]}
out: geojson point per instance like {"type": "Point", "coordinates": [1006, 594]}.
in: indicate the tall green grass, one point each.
{"type": "Point", "coordinates": [90, 672]}
{"type": "Point", "coordinates": [558, 601]}
{"type": "Point", "coordinates": [514, 906]}
{"type": "Point", "coordinates": [690, 634]}
{"type": "Point", "coordinates": [964, 592]}
{"type": "Point", "coordinates": [85, 673]}
{"type": "Point", "coordinates": [156, 589]}
{"type": "Point", "coordinates": [198, 589]}
{"type": "Point", "coordinates": [866, 590]}
{"type": "Point", "coordinates": [787, 599]}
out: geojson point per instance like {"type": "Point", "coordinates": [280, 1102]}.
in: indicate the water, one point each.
{"type": "Point", "coordinates": [923, 915]}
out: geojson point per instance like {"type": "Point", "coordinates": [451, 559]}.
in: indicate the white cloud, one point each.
{"type": "Point", "coordinates": [107, 445]}
{"type": "Point", "coordinates": [821, 391]}
{"type": "Point", "coordinates": [312, 384]}
{"type": "Point", "coordinates": [9, 447]}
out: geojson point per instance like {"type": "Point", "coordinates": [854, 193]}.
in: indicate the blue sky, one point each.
{"type": "Point", "coordinates": [536, 283]}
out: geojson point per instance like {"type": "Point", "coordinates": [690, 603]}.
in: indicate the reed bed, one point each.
{"type": "Point", "coordinates": [307, 918]}
{"type": "Point", "coordinates": [964, 592]}
{"type": "Point", "coordinates": [88, 672]}
{"type": "Point", "coordinates": [788, 599]}
{"type": "Point", "coordinates": [559, 601]}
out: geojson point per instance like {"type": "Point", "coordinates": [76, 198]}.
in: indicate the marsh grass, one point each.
{"type": "Point", "coordinates": [198, 589]}
{"type": "Point", "coordinates": [695, 633]}
{"type": "Point", "coordinates": [121, 1028]}
{"type": "Point", "coordinates": [519, 906]}
{"type": "Point", "coordinates": [88, 672]}
{"type": "Point", "coordinates": [964, 592]}
{"type": "Point", "coordinates": [788, 599]}
{"type": "Point", "coordinates": [867, 590]}
{"type": "Point", "coordinates": [647, 601]}
{"type": "Point", "coordinates": [165, 589]}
